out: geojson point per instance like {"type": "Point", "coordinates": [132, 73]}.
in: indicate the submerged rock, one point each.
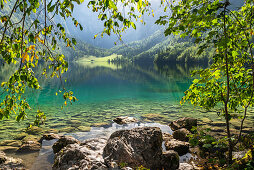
{"type": "Point", "coordinates": [34, 130]}
{"type": "Point", "coordinates": [179, 146]}
{"type": "Point", "coordinates": [125, 120]}
{"type": "Point", "coordinates": [186, 122]}
{"type": "Point", "coordinates": [84, 128]}
{"type": "Point", "coordinates": [101, 124]}
{"type": "Point", "coordinates": [63, 142]}
{"type": "Point", "coordinates": [181, 134]}
{"type": "Point", "coordinates": [87, 155]}
{"type": "Point", "coordinates": [8, 148]}
{"type": "Point", "coordinates": [14, 143]}
{"type": "Point", "coordinates": [30, 146]}
{"type": "Point", "coordinates": [136, 147]}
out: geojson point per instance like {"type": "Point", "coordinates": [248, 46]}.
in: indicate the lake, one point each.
{"type": "Point", "coordinates": [148, 92]}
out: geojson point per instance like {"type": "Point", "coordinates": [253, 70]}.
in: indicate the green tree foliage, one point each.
{"type": "Point", "coordinates": [228, 85]}
{"type": "Point", "coordinates": [29, 34]}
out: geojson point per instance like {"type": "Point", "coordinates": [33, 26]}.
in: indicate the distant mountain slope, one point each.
{"type": "Point", "coordinates": [158, 48]}
{"type": "Point", "coordinates": [83, 49]}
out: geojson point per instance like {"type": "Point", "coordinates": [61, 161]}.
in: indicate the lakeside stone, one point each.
{"type": "Point", "coordinates": [138, 146]}
{"type": "Point", "coordinates": [34, 130]}
{"type": "Point", "coordinates": [153, 116]}
{"type": "Point", "coordinates": [179, 146]}
{"type": "Point", "coordinates": [63, 142]}
{"type": "Point", "coordinates": [181, 134]}
{"type": "Point", "coordinates": [86, 155]}
{"type": "Point", "coordinates": [67, 129]}
{"type": "Point", "coordinates": [30, 146]}
{"type": "Point", "coordinates": [8, 148]}
{"type": "Point", "coordinates": [166, 136]}
{"type": "Point", "coordinates": [84, 128]}
{"type": "Point", "coordinates": [185, 122]}
{"type": "Point", "coordinates": [49, 136]}
{"type": "Point", "coordinates": [14, 143]}
{"type": "Point", "coordinates": [20, 136]}
{"type": "Point", "coordinates": [74, 122]}
{"type": "Point", "coordinates": [125, 120]}
{"type": "Point", "coordinates": [100, 124]}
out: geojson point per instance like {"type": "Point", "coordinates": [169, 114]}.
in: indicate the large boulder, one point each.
{"type": "Point", "coordinates": [185, 122]}
{"type": "Point", "coordinates": [179, 146]}
{"type": "Point", "coordinates": [63, 142]}
{"type": "Point", "coordinates": [125, 120]}
{"type": "Point", "coordinates": [87, 155]}
{"type": "Point", "coordinates": [136, 147]}
{"type": "Point", "coordinates": [181, 134]}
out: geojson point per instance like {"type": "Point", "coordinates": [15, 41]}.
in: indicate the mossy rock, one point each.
{"type": "Point", "coordinates": [67, 129]}
{"type": "Point", "coordinates": [8, 148]}
{"type": "Point", "coordinates": [100, 124]}
{"type": "Point", "coordinates": [34, 130]}
{"type": "Point", "coordinates": [31, 138]}
{"type": "Point", "coordinates": [55, 131]}
{"type": "Point", "coordinates": [14, 143]}
{"type": "Point", "coordinates": [84, 128]}
{"type": "Point", "coordinates": [20, 136]}
{"type": "Point", "coordinates": [74, 122]}
{"type": "Point", "coordinates": [57, 125]}
{"type": "Point", "coordinates": [153, 116]}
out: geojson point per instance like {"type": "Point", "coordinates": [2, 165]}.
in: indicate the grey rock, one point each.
{"type": "Point", "coordinates": [63, 142]}
{"type": "Point", "coordinates": [185, 122]}
{"type": "Point", "coordinates": [87, 155]}
{"type": "Point", "coordinates": [186, 166]}
{"type": "Point", "coordinates": [181, 134]}
{"type": "Point", "coordinates": [125, 120]}
{"type": "Point", "coordinates": [179, 146]}
{"type": "Point", "coordinates": [136, 147]}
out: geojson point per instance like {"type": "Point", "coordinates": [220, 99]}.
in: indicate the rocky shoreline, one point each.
{"type": "Point", "coordinates": [131, 148]}
{"type": "Point", "coordinates": [105, 151]}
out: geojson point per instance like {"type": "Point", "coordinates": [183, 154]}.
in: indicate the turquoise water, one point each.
{"type": "Point", "coordinates": [148, 92]}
